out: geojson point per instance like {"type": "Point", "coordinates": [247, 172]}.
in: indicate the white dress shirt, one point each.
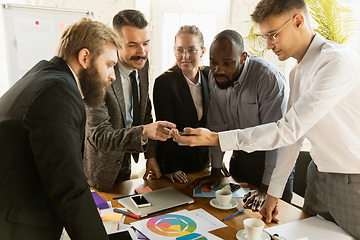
{"type": "Point", "coordinates": [324, 107]}
{"type": "Point", "coordinates": [127, 89]}
{"type": "Point", "coordinates": [77, 82]}
{"type": "Point", "coordinates": [195, 90]}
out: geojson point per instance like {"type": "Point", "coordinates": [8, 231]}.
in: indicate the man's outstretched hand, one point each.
{"type": "Point", "coordinates": [196, 137]}
{"type": "Point", "coordinates": [159, 130]}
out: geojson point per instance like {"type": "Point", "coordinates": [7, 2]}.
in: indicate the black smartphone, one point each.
{"type": "Point", "coordinates": [140, 201]}
{"type": "Point", "coordinates": [184, 134]}
{"type": "Point", "coordinates": [125, 234]}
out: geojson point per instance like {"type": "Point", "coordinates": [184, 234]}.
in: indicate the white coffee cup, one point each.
{"type": "Point", "coordinates": [223, 196]}
{"type": "Point", "coordinates": [253, 228]}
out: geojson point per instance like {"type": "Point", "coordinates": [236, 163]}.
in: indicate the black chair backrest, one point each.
{"type": "Point", "coordinates": [301, 172]}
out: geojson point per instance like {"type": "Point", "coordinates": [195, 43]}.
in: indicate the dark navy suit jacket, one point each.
{"type": "Point", "coordinates": [42, 182]}
{"type": "Point", "coordinates": [173, 102]}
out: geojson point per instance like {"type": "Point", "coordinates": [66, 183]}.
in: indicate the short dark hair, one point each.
{"type": "Point", "coordinates": [231, 35]}
{"type": "Point", "coordinates": [129, 17]}
{"type": "Point", "coordinates": [266, 8]}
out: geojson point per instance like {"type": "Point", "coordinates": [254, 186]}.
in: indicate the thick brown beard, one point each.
{"type": "Point", "coordinates": [92, 87]}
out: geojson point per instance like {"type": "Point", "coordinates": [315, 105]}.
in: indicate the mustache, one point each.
{"type": "Point", "coordinates": [220, 75]}
{"type": "Point", "coordinates": [137, 58]}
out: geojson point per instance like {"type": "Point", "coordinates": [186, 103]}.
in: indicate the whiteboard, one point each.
{"type": "Point", "coordinates": [32, 34]}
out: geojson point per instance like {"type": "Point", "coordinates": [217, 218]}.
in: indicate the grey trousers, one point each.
{"type": "Point", "coordinates": [335, 197]}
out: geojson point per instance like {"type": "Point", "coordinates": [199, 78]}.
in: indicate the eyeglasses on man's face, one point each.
{"type": "Point", "coordinates": [179, 52]}
{"type": "Point", "coordinates": [272, 37]}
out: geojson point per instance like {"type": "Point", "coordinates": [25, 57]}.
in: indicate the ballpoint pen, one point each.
{"type": "Point", "coordinates": [125, 196]}
{"type": "Point", "coordinates": [126, 213]}
{"type": "Point", "coordinates": [233, 215]}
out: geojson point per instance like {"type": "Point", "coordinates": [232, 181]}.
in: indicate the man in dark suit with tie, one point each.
{"type": "Point", "coordinates": [42, 122]}
{"type": "Point", "coordinates": [123, 125]}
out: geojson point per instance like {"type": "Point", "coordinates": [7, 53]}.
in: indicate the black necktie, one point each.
{"type": "Point", "coordinates": [136, 107]}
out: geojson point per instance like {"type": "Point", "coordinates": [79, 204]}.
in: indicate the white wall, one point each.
{"type": "Point", "coordinates": [104, 10]}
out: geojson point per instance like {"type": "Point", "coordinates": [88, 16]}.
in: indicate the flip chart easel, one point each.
{"type": "Point", "coordinates": [32, 34]}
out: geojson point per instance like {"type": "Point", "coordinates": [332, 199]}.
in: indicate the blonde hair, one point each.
{"type": "Point", "coordinates": [86, 33]}
{"type": "Point", "coordinates": [191, 29]}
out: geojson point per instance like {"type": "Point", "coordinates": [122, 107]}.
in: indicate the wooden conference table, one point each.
{"type": "Point", "coordinates": [287, 212]}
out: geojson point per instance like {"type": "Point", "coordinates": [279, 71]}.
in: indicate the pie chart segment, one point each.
{"type": "Point", "coordinates": [171, 225]}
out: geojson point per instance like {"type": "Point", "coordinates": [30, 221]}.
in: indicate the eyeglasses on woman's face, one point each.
{"type": "Point", "coordinates": [179, 52]}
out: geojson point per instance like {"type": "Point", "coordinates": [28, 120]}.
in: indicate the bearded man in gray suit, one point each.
{"type": "Point", "coordinates": [123, 125]}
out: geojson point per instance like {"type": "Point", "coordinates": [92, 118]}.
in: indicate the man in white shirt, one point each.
{"type": "Point", "coordinates": [324, 107]}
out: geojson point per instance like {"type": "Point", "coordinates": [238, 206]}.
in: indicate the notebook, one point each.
{"type": "Point", "coordinates": [143, 189]}
{"type": "Point", "coordinates": [99, 201]}
{"type": "Point", "coordinates": [160, 199]}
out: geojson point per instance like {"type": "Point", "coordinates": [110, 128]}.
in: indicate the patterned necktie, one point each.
{"type": "Point", "coordinates": [136, 107]}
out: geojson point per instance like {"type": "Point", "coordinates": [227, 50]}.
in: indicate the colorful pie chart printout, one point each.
{"type": "Point", "coordinates": [192, 236]}
{"type": "Point", "coordinates": [180, 225]}
{"type": "Point", "coordinates": [171, 225]}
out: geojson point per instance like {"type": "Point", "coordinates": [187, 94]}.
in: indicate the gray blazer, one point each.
{"type": "Point", "coordinates": [107, 139]}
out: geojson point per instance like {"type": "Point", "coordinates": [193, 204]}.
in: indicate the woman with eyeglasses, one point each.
{"type": "Point", "coordinates": [181, 96]}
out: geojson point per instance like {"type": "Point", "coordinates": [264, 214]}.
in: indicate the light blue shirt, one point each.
{"type": "Point", "coordinates": [259, 96]}
{"type": "Point", "coordinates": [127, 89]}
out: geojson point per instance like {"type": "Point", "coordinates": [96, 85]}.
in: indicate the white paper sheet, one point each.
{"type": "Point", "coordinates": [212, 221]}
{"type": "Point", "coordinates": [313, 228]}
{"type": "Point", "coordinates": [166, 227]}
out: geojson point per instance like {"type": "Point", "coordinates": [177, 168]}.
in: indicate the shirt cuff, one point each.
{"type": "Point", "coordinates": [275, 190]}
{"type": "Point", "coordinates": [216, 161]}
{"type": "Point", "coordinates": [227, 141]}
{"type": "Point", "coordinates": [266, 178]}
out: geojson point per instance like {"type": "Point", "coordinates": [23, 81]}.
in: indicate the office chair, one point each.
{"type": "Point", "coordinates": [299, 186]}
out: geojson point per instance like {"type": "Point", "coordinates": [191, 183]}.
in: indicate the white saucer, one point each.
{"type": "Point", "coordinates": [215, 204]}
{"type": "Point", "coordinates": [242, 236]}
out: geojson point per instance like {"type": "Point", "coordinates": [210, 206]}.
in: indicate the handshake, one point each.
{"type": "Point", "coordinates": [163, 130]}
